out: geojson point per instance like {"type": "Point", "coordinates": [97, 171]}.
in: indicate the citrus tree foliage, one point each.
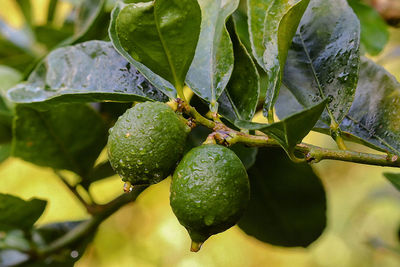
{"type": "Point", "coordinates": [299, 60]}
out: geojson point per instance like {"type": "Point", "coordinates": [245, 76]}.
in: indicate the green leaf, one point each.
{"type": "Point", "coordinates": [159, 82]}
{"type": "Point", "coordinates": [239, 100]}
{"type": "Point", "coordinates": [374, 30]}
{"type": "Point", "coordinates": [66, 137]}
{"type": "Point", "coordinates": [242, 27]}
{"type": "Point", "coordinates": [272, 25]}
{"type": "Point", "coordinates": [324, 58]}
{"type": "Point", "coordinates": [87, 72]}
{"type": "Point", "coordinates": [246, 154]}
{"type": "Point", "coordinates": [291, 130]}
{"type": "Point", "coordinates": [375, 114]}
{"type": "Point", "coordinates": [161, 35]}
{"type": "Point", "coordinates": [16, 213]}
{"type": "Point", "coordinates": [394, 178]}
{"type": "Point", "coordinates": [212, 65]}
{"type": "Point", "coordinates": [287, 203]}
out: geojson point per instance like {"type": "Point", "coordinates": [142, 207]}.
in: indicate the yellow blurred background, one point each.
{"type": "Point", "coordinates": [362, 206]}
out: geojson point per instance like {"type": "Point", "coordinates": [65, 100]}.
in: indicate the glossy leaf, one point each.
{"type": "Point", "coordinates": [375, 113]}
{"type": "Point", "coordinates": [287, 203]}
{"type": "Point", "coordinates": [272, 25]}
{"type": "Point", "coordinates": [16, 213]}
{"type": "Point", "coordinates": [374, 30]}
{"type": "Point", "coordinates": [161, 35]}
{"type": "Point", "coordinates": [240, 99]}
{"type": "Point", "coordinates": [159, 82]}
{"type": "Point", "coordinates": [212, 65]}
{"type": "Point", "coordinates": [87, 72]}
{"type": "Point", "coordinates": [246, 154]}
{"type": "Point", "coordinates": [291, 130]}
{"type": "Point", "coordinates": [324, 58]}
{"type": "Point", "coordinates": [67, 137]}
{"type": "Point", "coordinates": [394, 178]}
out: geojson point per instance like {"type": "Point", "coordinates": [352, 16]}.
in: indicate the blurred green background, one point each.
{"type": "Point", "coordinates": [363, 209]}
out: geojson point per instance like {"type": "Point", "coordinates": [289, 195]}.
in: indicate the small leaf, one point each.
{"type": "Point", "coordinates": [324, 58]}
{"type": "Point", "coordinates": [287, 203]}
{"type": "Point", "coordinates": [374, 30]}
{"type": "Point", "coordinates": [67, 137]}
{"type": "Point", "coordinates": [87, 72]}
{"type": "Point", "coordinates": [239, 100]}
{"type": "Point", "coordinates": [212, 65]}
{"type": "Point", "coordinates": [291, 130]}
{"type": "Point", "coordinates": [272, 25]}
{"type": "Point", "coordinates": [161, 35]}
{"type": "Point", "coordinates": [394, 178]}
{"type": "Point", "coordinates": [16, 213]}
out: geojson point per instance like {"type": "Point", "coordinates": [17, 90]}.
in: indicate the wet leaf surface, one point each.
{"type": "Point", "coordinates": [324, 58]}
{"type": "Point", "coordinates": [88, 72]}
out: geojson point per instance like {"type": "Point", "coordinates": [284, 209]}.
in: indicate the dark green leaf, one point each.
{"type": "Point", "coordinates": [242, 28]}
{"type": "Point", "coordinates": [212, 65]}
{"type": "Point", "coordinates": [246, 154]}
{"type": "Point", "coordinates": [272, 25]}
{"type": "Point", "coordinates": [291, 130]}
{"type": "Point", "coordinates": [66, 137]}
{"type": "Point", "coordinates": [87, 72]}
{"type": "Point", "coordinates": [287, 203]}
{"type": "Point", "coordinates": [239, 100]}
{"type": "Point", "coordinates": [159, 82]}
{"type": "Point", "coordinates": [394, 178]}
{"type": "Point", "coordinates": [375, 114]}
{"type": "Point", "coordinates": [374, 30]}
{"type": "Point", "coordinates": [51, 36]}
{"type": "Point", "coordinates": [324, 58]}
{"type": "Point", "coordinates": [16, 213]}
{"type": "Point", "coordinates": [162, 35]}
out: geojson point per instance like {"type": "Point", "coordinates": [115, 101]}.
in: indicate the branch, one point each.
{"type": "Point", "coordinates": [89, 226]}
{"type": "Point", "coordinates": [73, 190]}
{"type": "Point", "coordinates": [227, 136]}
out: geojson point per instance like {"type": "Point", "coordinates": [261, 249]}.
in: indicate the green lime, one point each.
{"type": "Point", "coordinates": [209, 191]}
{"type": "Point", "coordinates": [146, 143]}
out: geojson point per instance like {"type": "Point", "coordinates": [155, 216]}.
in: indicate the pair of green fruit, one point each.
{"type": "Point", "coordinates": [210, 187]}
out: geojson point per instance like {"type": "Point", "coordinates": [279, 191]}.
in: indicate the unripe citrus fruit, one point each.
{"type": "Point", "coordinates": [209, 191]}
{"type": "Point", "coordinates": [146, 143]}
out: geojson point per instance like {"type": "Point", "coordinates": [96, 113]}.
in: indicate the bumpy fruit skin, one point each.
{"type": "Point", "coordinates": [209, 191]}
{"type": "Point", "coordinates": [146, 143]}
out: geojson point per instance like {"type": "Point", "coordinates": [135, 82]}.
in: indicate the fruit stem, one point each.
{"type": "Point", "coordinates": [195, 246]}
